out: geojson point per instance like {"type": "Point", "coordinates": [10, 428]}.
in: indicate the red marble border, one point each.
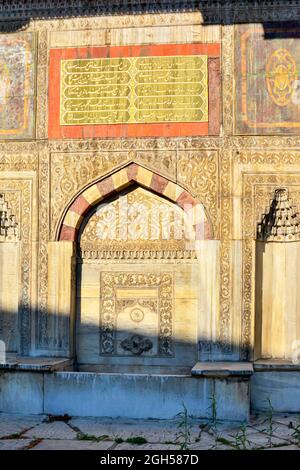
{"type": "Point", "coordinates": [56, 131]}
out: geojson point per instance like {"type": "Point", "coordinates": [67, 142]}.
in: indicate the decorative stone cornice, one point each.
{"type": "Point", "coordinates": [29, 9]}
{"type": "Point", "coordinates": [92, 254]}
{"type": "Point", "coordinates": [281, 223]}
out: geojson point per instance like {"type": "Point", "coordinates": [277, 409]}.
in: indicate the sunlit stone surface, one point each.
{"type": "Point", "coordinates": [149, 208]}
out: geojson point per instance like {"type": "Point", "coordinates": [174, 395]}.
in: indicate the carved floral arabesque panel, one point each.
{"type": "Point", "coordinates": [18, 192]}
{"type": "Point", "coordinates": [150, 312]}
{"type": "Point", "coordinates": [192, 144]}
{"type": "Point", "coordinates": [197, 171]}
{"type": "Point", "coordinates": [135, 221]}
{"type": "Point", "coordinates": [71, 172]}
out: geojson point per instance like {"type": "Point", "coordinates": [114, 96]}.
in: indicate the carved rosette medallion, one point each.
{"type": "Point", "coordinates": [281, 73]}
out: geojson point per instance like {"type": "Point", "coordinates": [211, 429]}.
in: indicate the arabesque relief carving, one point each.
{"type": "Point", "coordinates": [258, 189]}
{"type": "Point", "coordinates": [155, 286]}
{"type": "Point", "coordinates": [203, 165]}
{"type": "Point", "coordinates": [18, 192]}
{"type": "Point", "coordinates": [71, 172]}
{"type": "Point", "coordinates": [136, 221]}
{"type": "Point", "coordinates": [199, 172]}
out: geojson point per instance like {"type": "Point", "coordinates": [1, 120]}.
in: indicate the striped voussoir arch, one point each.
{"type": "Point", "coordinates": [134, 173]}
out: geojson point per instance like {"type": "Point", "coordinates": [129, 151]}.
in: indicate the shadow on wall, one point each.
{"type": "Point", "coordinates": [17, 16]}
{"type": "Point", "coordinates": [9, 330]}
{"type": "Point", "coordinates": [126, 349]}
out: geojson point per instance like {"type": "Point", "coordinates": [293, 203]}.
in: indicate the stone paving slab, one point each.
{"type": "Point", "coordinates": [14, 444]}
{"type": "Point", "coordinates": [67, 444]}
{"type": "Point", "coordinates": [261, 421]}
{"type": "Point", "coordinates": [254, 439]}
{"type": "Point", "coordinates": [152, 430]}
{"type": "Point", "coordinates": [284, 432]}
{"type": "Point", "coordinates": [262, 440]}
{"type": "Point", "coordinates": [15, 424]}
{"type": "Point", "coordinates": [126, 446]}
{"type": "Point", "coordinates": [285, 448]}
{"type": "Point", "coordinates": [257, 421]}
{"type": "Point", "coordinates": [55, 430]}
{"type": "Point", "coordinates": [281, 431]}
{"type": "Point", "coordinates": [159, 434]}
{"type": "Point", "coordinates": [287, 419]}
{"type": "Point", "coordinates": [206, 442]}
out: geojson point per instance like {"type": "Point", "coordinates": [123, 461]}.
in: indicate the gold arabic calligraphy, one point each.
{"type": "Point", "coordinates": [134, 90]}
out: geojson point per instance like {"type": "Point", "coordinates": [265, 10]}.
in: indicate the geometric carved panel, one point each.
{"type": "Point", "coordinates": [136, 314]}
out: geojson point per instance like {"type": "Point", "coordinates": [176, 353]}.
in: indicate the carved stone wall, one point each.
{"type": "Point", "coordinates": [120, 336]}
{"type": "Point", "coordinates": [234, 176]}
{"type": "Point", "coordinates": [19, 188]}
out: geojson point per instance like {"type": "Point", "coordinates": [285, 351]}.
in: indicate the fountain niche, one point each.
{"type": "Point", "coordinates": [277, 329]}
{"type": "Point", "coordinates": [137, 287]}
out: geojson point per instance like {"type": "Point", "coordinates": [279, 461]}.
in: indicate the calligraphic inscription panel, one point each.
{"type": "Point", "coordinates": [138, 90]}
{"type": "Point", "coordinates": [267, 71]}
{"type": "Point", "coordinates": [17, 77]}
{"type": "Point", "coordinates": [158, 90]}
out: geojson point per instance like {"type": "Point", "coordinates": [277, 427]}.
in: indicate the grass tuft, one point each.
{"type": "Point", "coordinates": [136, 440]}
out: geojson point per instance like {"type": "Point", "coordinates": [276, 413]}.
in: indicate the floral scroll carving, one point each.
{"type": "Point", "coordinates": [163, 283]}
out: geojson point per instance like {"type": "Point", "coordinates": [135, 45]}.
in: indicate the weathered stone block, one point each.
{"type": "Point", "coordinates": [21, 392]}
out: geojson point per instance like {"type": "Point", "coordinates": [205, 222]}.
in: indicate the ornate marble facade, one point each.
{"type": "Point", "coordinates": [203, 144]}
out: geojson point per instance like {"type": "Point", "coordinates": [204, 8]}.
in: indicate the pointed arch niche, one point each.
{"type": "Point", "coordinates": [277, 316]}
{"type": "Point", "coordinates": [185, 280]}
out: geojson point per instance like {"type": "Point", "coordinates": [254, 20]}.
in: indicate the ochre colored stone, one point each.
{"type": "Point", "coordinates": [92, 195]}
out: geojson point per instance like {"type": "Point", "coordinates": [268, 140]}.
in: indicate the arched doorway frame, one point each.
{"type": "Point", "coordinates": [62, 251]}
{"type": "Point", "coordinates": [133, 173]}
